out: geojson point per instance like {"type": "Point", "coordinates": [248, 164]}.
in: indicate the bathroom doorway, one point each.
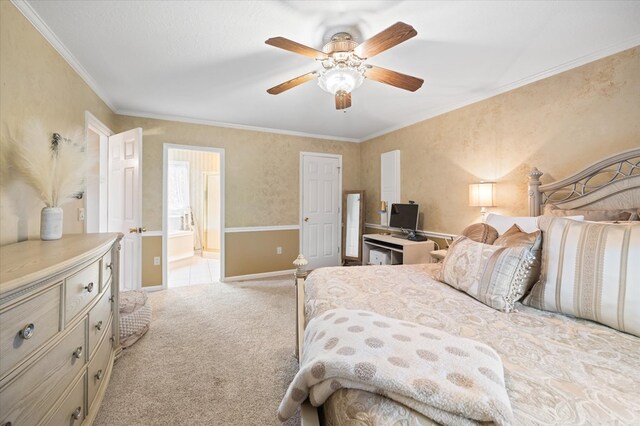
{"type": "Point", "coordinates": [193, 215]}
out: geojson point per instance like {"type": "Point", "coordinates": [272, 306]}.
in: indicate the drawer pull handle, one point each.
{"type": "Point", "coordinates": [76, 413]}
{"type": "Point", "coordinates": [110, 266]}
{"type": "Point", "coordinates": [99, 325]}
{"type": "Point", "coordinates": [27, 332]}
{"type": "Point", "coordinates": [78, 352]}
{"type": "Point", "coordinates": [99, 375]}
{"type": "Point", "coordinates": [89, 287]}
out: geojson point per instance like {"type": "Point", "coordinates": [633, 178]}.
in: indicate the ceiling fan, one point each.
{"type": "Point", "coordinates": [344, 66]}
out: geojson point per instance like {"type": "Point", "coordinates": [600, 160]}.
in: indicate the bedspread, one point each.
{"type": "Point", "coordinates": [558, 369]}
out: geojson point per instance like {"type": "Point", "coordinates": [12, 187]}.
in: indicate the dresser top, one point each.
{"type": "Point", "coordinates": [30, 261]}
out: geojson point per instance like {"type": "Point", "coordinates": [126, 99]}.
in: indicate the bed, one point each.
{"type": "Point", "coordinates": [558, 369]}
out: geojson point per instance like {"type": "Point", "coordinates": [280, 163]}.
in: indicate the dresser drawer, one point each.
{"type": "Point", "coordinates": [26, 326]}
{"type": "Point", "coordinates": [72, 411]}
{"type": "Point", "coordinates": [25, 400]}
{"type": "Point", "coordinates": [99, 318]}
{"type": "Point", "coordinates": [107, 270]}
{"type": "Point", "coordinates": [81, 289]}
{"type": "Point", "coordinates": [98, 364]}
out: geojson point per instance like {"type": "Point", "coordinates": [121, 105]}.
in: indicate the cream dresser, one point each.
{"type": "Point", "coordinates": [58, 328]}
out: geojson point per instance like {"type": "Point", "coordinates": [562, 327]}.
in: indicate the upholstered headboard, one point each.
{"type": "Point", "coordinates": [612, 183]}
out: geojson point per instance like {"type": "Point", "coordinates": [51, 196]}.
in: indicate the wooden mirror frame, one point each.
{"type": "Point", "coordinates": [351, 259]}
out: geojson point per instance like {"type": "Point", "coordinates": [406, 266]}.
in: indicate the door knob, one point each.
{"type": "Point", "coordinates": [306, 219]}
{"type": "Point", "coordinates": [137, 230]}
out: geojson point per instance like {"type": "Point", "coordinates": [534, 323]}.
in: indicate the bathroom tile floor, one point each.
{"type": "Point", "coordinates": [194, 270]}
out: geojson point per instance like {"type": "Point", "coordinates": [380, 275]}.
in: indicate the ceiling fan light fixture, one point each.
{"type": "Point", "coordinates": [341, 79]}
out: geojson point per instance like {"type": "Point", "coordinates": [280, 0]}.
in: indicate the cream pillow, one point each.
{"type": "Point", "coordinates": [496, 276]}
{"type": "Point", "coordinates": [590, 270]}
{"type": "Point", "coordinates": [593, 215]}
{"type": "Point", "coordinates": [525, 223]}
{"type": "Point", "coordinates": [503, 223]}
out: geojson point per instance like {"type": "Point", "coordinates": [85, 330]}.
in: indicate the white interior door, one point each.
{"type": "Point", "coordinates": [321, 195]}
{"type": "Point", "coordinates": [125, 210]}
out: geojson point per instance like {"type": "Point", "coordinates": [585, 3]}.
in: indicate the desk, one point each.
{"type": "Point", "coordinates": [401, 250]}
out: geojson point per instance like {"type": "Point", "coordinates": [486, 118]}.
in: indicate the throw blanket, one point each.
{"type": "Point", "coordinates": [452, 380]}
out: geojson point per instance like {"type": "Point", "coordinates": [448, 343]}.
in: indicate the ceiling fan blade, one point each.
{"type": "Point", "coordinates": [386, 39]}
{"type": "Point", "coordinates": [343, 100]}
{"type": "Point", "coordinates": [393, 78]}
{"type": "Point", "coordinates": [290, 84]}
{"type": "Point", "coordinates": [292, 46]}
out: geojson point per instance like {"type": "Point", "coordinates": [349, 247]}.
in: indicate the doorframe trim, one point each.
{"type": "Point", "coordinates": [165, 231]}
{"type": "Point", "coordinates": [301, 199]}
{"type": "Point", "coordinates": [93, 123]}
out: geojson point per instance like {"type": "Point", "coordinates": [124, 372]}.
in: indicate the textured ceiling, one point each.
{"type": "Point", "coordinates": [206, 61]}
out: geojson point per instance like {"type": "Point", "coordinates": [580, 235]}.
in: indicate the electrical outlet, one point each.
{"type": "Point", "coordinates": [156, 261]}
{"type": "Point", "coordinates": [278, 250]}
{"type": "Point", "coordinates": [80, 214]}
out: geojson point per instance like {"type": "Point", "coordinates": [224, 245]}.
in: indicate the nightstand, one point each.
{"type": "Point", "coordinates": [438, 255]}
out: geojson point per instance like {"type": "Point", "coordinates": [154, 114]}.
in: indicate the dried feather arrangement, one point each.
{"type": "Point", "coordinates": [56, 170]}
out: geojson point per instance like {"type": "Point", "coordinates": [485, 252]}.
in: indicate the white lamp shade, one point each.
{"type": "Point", "coordinates": [482, 194]}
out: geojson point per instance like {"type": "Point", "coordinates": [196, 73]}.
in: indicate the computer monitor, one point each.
{"type": "Point", "coordinates": [404, 216]}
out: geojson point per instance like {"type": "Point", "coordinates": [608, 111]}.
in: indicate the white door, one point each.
{"type": "Point", "coordinates": [125, 210]}
{"type": "Point", "coordinates": [321, 199]}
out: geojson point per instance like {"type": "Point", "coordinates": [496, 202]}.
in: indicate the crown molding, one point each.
{"type": "Point", "coordinates": [232, 125]}
{"type": "Point", "coordinates": [33, 17]}
{"type": "Point", "coordinates": [583, 60]}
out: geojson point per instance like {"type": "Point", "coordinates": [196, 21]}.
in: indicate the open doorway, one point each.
{"type": "Point", "coordinates": [193, 215]}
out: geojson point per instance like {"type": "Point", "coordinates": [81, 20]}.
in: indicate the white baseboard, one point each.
{"type": "Point", "coordinates": [210, 254]}
{"type": "Point", "coordinates": [152, 288]}
{"type": "Point", "coordinates": [258, 276]}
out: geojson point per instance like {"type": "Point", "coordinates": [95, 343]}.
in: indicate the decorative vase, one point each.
{"type": "Point", "coordinates": [51, 223]}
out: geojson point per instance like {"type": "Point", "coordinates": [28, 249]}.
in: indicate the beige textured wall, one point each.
{"type": "Point", "coordinates": [560, 125]}
{"type": "Point", "coordinates": [261, 169]}
{"type": "Point", "coordinates": [261, 184]}
{"type": "Point", "coordinates": [36, 85]}
{"type": "Point", "coordinates": [151, 274]}
{"type": "Point", "coordinates": [255, 252]}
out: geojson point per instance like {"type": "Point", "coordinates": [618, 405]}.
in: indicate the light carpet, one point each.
{"type": "Point", "coordinates": [215, 354]}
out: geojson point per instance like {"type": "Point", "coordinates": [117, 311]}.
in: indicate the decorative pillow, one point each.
{"type": "Point", "coordinates": [496, 276]}
{"type": "Point", "coordinates": [593, 215]}
{"type": "Point", "coordinates": [481, 233]}
{"type": "Point", "coordinates": [590, 270]}
{"type": "Point", "coordinates": [515, 237]}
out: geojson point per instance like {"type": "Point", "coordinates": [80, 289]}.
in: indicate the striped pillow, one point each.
{"type": "Point", "coordinates": [496, 276]}
{"type": "Point", "coordinates": [590, 270]}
